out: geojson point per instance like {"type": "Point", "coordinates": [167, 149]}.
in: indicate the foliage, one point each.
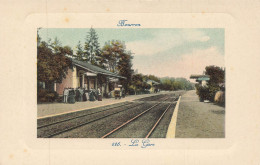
{"type": "Point", "coordinates": [167, 84]}
{"type": "Point", "coordinates": [116, 58]}
{"type": "Point", "coordinates": [217, 76]}
{"type": "Point", "coordinates": [111, 53]}
{"type": "Point", "coordinates": [125, 69]}
{"type": "Point", "coordinates": [139, 83]}
{"type": "Point", "coordinates": [55, 45]}
{"type": "Point", "coordinates": [52, 66]}
{"type": "Point", "coordinates": [212, 91]}
{"type": "Point", "coordinates": [202, 92]}
{"type": "Point", "coordinates": [170, 83]}
{"type": "Point", "coordinates": [207, 92]}
{"type": "Point", "coordinates": [154, 78]}
{"type": "Point", "coordinates": [79, 52]}
{"type": "Point", "coordinates": [131, 90]}
{"type": "Point", "coordinates": [44, 95]}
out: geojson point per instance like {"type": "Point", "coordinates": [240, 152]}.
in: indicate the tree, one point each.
{"type": "Point", "coordinates": [55, 45]}
{"type": "Point", "coordinates": [66, 50]}
{"type": "Point", "coordinates": [152, 77]}
{"type": "Point", "coordinates": [170, 83]}
{"type": "Point", "coordinates": [217, 74]}
{"type": "Point", "coordinates": [116, 58]}
{"type": "Point", "coordinates": [92, 49]}
{"type": "Point", "coordinates": [111, 53]}
{"type": "Point", "coordinates": [167, 84]}
{"type": "Point", "coordinates": [38, 37]}
{"type": "Point", "coordinates": [124, 67]}
{"type": "Point", "coordinates": [139, 83]}
{"type": "Point", "coordinates": [52, 64]}
{"type": "Point", "coordinates": [80, 52]}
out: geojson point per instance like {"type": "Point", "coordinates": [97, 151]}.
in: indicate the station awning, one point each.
{"type": "Point", "coordinates": [94, 69]}
{"type": "Point", "coordinates": [196, 76]}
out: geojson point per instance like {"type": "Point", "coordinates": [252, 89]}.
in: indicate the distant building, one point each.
{"type": "Point", "coordinates": [201, 79]}
{"type": "Point", "coordinates": [154, 86]}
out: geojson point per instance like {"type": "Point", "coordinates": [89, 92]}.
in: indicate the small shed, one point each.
{"type": "Point", "coordinates": [201, 79]}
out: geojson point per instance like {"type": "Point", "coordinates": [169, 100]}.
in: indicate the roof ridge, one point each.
{"type": "Point", "coordinates": [95, 68]}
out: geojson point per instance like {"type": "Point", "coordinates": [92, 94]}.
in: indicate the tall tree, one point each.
{"type": "Point", "coordinates": [80, 52]}
{"type": "Point", "coordinates": [55, 45]}
{"type": "Point", "coordinates": [92, 48]}
{"type": "Point", "coordinates": [38, 37]}
{"type": "Point", "coordinates": [124, 67]}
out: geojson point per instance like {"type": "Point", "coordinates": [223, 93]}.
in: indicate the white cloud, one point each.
{"type": "Point", "coordinates": [204, 38]}
{"type": "Point", "coordinates": [190, 63]}
{"type": "Point", "coordinates": [192, 35]}
{"type": "Point", "coordinates": [195, 62]}
{"type": "Point", "coordinates": [159, 43]}
{"type": "Point", "coordinates": [163, 41]}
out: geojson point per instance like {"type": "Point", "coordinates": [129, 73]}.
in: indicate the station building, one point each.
{"type": "Point", "coordinates": [87, 76]}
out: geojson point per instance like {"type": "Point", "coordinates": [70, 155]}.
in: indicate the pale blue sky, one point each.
{"type": "Point", "coordinates": [162, 52]}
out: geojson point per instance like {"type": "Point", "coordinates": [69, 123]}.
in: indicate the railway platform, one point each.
{"type": "Point", "coordinates": [53, 109]}
{"type": "Point", "coordinates": [198, 119]}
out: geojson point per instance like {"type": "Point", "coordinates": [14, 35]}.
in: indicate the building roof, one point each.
{"type": "Point", "coordinates": [95, 69]}
{"type": "Point", "coordinates": [196, 76]}
{"type": "Point", "coordinates": [153, 82]}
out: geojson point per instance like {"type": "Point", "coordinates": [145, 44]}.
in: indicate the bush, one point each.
{"type": "Point", "coordinates": [131, 91]}
{"type": "Point", "coordinates": [220, 98]}
{"type": "Point", "coordinates": [212, 92]}
{"type": "Point", "coordinates": [44, 95]}
{"type": "Point", "coordinates": [207, 92]}
{"type": "Point", "coordinates": [202, 92]}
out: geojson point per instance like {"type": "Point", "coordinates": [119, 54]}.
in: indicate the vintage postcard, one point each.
{"type": "Point", "coordinates": [128, 82]}
{"type": "Point", "coordinates": [106, 83]}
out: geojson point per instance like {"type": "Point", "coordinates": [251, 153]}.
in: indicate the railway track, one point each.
{"type": "Point", "coordinates": [155, 124]}
{"type": "Point", "coordinates": [153, 98]}
{"type": "Point", "coordinates": [132, 119]}
{"type": "Point", "coordinates": [78, 115]}
{"type": "Point", "coordinates": [65, 127]}
{"type": "Point", "coordinates": [59, 127]}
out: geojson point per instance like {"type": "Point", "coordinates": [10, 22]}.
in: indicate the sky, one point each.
{"type": "Point", "coordinates": [160, 52]}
